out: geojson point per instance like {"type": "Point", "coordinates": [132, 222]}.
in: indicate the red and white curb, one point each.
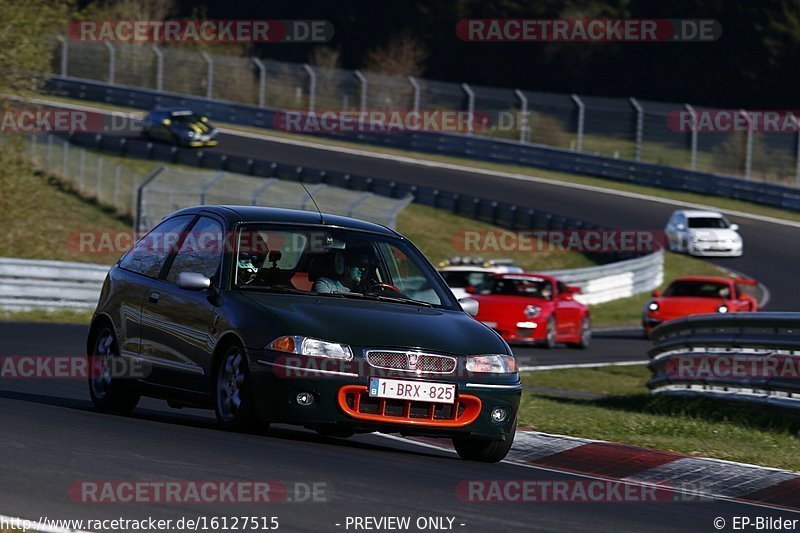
{"type": "Point", "coordinates": [713, 478]}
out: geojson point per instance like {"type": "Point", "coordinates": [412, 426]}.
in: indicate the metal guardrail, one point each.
{"type": "Point", "coordinates": [752, 357]}
{"type": "Point", "coordinates": [472, 147]}
{"type": "Point", "coordinates": [31, 284]}
{"type": "Point", "coordinates": [616, 280]}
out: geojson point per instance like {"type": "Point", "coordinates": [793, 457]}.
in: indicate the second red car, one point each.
{"type": "Point", "coordinates": [697, 295]}
{"type": "Point", "coordinates": [533, 308]}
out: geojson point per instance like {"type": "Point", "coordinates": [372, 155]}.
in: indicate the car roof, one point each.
{"type": "Point", "coordinates": [696, 213]}
{"type": "Point", "coordinates": [173, 109]}
{"type": "Point", "coordinates": [248, 213]}
{"type": "Point", "coordinates": [526, 275]}
{"type": "Point", "coordinates": [718, 279]}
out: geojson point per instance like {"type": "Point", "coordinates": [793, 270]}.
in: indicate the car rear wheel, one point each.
{"type": "Point", "coordinates": [107, 392]}
{"type": "Point", "coordinates": [586, 335]}
{"type": "Point", "coordinates": [484, 450]}
{"type": "Point", "coordinates": [233, 401]}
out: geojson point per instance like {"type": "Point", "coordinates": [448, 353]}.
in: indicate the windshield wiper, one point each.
{"type": "Point", "coordinates": [379, 298]}
{"type": "Point", "coordinates": [275, 288]}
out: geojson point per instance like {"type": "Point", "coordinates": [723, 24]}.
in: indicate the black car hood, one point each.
{"type": "Point", "coordinates": [380, 324]}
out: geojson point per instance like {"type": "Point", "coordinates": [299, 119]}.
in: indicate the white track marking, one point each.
{"type": "Point", "coordinates": [600, 478]}
{"type": "Point", "coordinates": [580, 365]}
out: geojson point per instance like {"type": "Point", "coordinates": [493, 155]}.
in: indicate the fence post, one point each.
{"type": "Point", "coordinates": [64, 54]}
{"type": "Point", "coordinates": [117, 171]}
{"type": "Point", "coordinates": [470, 106]}
{"type": "Point", "coordinates": [65, 161]}
{"type": "Point", "coordinates": [159, 68]}
{"type": "Point", "coordinates": [748, 154]}
{"type": "Point", "coordinates": [639, 132]}
{"type": "Point", "coordinates": [112, 61]}
{"type": "Point", "coordinates": [362, 96]}
{"type": "Point", "coordinates": [312, 87]}
{"type": "Point", "coordinates": [138, 219]}
{"type": "Point", "coordinates": [50, 152]}
{"type": "Point", "coordinates": [97, 179]}
{"type": "Point", "coordinates": [524, 127]}
{"type": "Point", "coordinates": [81, 171]}
{"type": "Point", "coordinates": [415, 85]}
{"type": "Point", "coordinates": [262, 81]}
{"type": "Point", "coordinates": [209, 75]}
{"type": "Point", "coordinates": [581, 115]}
{"type": "Point", "coordinates": [693, 136]}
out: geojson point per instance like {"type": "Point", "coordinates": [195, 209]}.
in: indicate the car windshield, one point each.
{"type": "Point", "coordinates": [701, 289]}
{"type": "Point", "coordinates": [459, 279]}
{"type": "Point", "coordinates": [527, 287]}
{"type": "Point", "coordinates": [186, 118]}
{"type": "Point", "coordinates": [708, 222]}
{"type": "Point", "coordinates": [338, 263]}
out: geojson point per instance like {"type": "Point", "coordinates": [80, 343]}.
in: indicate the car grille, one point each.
{"type": "Point", "coordinates": [419, 363]}
{"type": "Point", "coordinates": [355, 401]}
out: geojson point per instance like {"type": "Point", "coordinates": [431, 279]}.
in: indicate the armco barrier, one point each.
{"type": "Point", "coordinates": [752, 357]}
{"type": "Point", "coordinates": [485, 149]}
{"type": "Point", "coordinates": [616, 280]}
{"type": "Point", "coordinates": [28, 284]}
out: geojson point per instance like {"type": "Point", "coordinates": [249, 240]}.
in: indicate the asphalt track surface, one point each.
{"type": "Point", "coordinates": [53, 439]}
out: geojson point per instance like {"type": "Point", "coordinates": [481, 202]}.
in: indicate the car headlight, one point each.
{"type": "Point", "coordinates": [653, 306]}
{"type": "Point", "coordinates": [532, 311]}
{"type": "Point", "coordinates": [311, 347]}
{"type": "Point", "coordinates": [492, 364]}
{"type": "Point", "coordinates": [722, 308]}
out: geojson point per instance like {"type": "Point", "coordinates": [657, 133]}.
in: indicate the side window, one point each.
{"type": "Point", "coordinates": [200, 251]}
{"type": "Point", "coordinates": [562, 287]}
{"type": "Point", "coordinates": [148, 255]}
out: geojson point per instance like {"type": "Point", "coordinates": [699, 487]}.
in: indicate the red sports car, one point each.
{"type": "Point", "coordinates": [696, 295]}
{"type": "Point", "coordinates": [532, 308]}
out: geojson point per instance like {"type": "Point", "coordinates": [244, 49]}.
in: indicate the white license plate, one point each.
{"type": "Point", "coordinates": [418, 391]}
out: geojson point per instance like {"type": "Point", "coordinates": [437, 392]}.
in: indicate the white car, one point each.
{"type": "Point", "coordinates": [460, 273]}
{"type": "Point", "coordinates": [703, 233]}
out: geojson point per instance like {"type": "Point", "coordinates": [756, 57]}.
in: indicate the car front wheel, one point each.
{"type": "Point", "coordinates": [109, 393]}
{"type": "Point", "coordinates": [233, 402]}
{"type": "Point", "coordinates": [484, 450]}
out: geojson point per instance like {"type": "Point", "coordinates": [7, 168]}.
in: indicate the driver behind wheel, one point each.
{"type": "Point", "coordinates": [343, 274]}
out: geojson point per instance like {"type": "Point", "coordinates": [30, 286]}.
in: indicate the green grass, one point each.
{"type": "Point", "coordinates": [664, 156]}
{"type": "Point", "coordinates": [60, 316]}
{"type": "Point", "coordinates": [435, 231]}
{"type": "Point", "coordinates": [705, 427]}
{"type": "Point", "coordinates": [41, 219]}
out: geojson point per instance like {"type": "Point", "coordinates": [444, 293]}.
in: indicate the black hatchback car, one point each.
{"type": "Point", "coordinates": [178, 125]}
{"type": "Point", "coordinates": [276, 315]}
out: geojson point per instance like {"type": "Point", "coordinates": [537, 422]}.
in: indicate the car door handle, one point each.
{"type": "Point", "coordinates": [154, 296]}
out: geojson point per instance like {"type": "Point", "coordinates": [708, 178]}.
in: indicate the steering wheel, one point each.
{"type": "Point", "coordinates": [385, 287]}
